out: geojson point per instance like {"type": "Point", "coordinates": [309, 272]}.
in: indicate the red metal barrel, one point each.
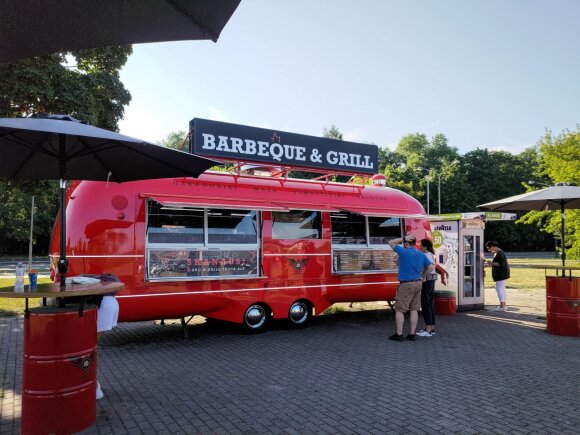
{"type": "Point", "coordinates": [445, 303]}
{"type": "Point", "coordinates": [563, 305]}
{"type": "Point", "coordinates": [59, 373]}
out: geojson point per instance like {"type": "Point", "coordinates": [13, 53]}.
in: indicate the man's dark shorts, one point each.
{"type": "Point", "coordinates": [408, 296]}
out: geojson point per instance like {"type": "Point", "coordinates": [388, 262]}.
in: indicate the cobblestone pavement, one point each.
{"type": "Point", "coordinates": [485, 372]}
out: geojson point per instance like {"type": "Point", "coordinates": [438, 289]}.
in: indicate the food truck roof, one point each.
{"type": "Point", "coordinates": [224, 190]}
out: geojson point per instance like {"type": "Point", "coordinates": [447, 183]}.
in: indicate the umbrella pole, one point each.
{"type": "Point", "coordinates": [62, 262]}
{"type": "Point", "coordinates": [563, 241]}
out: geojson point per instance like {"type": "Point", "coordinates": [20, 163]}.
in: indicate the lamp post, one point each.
{"type": "Point", "coordinates": [428, 178]}
{"type": "Point", "coordinates": [454, 162]}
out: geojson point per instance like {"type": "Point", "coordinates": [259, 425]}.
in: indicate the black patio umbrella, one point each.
{"type": "Point", "coordinates": [62, 148]}
{"type": "Point", "coordinates": [558, 197]}
{"type": "Point", "coordinates": [39, 27]}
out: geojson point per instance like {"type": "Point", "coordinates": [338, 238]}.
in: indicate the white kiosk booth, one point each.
{"type": "Point", "coordinates": [459, 248]}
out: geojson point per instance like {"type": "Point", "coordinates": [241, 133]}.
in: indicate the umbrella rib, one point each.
{"type": "Point", "coordinates": [11, 136]}
{"type": "Point", "coordinates": [200, 26]}
{"type": "Point", "coordinates": [168, 164]}
{"type": "Point", "coordinates": [93, 153]}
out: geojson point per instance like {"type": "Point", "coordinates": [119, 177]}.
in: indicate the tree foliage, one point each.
{"type": "Point", "coordinates": [559, 161]}
{"type": "Point", "coordinates": [466, 181]}
{"type": "Point", "coordinates": [90, 90]}
{"type": "Point", "coordinates": [176, 140]}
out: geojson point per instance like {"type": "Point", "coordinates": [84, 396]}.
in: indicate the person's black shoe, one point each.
{"type": "Point", "coordinates": [411, 337]}
{"type": "Point", "coordinates": [396, 337]}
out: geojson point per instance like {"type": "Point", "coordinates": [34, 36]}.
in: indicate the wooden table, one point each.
{"type": "Point", "coordinates": [60, 357]}
{"type": "Point", "coordinates": [54, 290]}
{"type": "Point", "coordinates": [558, 269]}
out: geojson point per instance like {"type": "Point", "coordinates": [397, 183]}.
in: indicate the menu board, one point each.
{"type": "Point", "coordinates": [198, 263]}
{"type": "Point", "coordinates": [363, 260]}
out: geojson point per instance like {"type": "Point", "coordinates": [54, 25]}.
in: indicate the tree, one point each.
{"type": "Point", "coordinates": [332, 132]}
{"type": "Point", "coordinates": [559, 161]}
{"type": "Point", "coordinates": [492, 175]}
{"type": "Point", "coordinates": [176, 140]}
{"type": "Point", "coordinates": [414, 159]}
{"type": "Point", "coordinates": [413, 148]}
{"type": "Point", "coordinates": [90, 90]}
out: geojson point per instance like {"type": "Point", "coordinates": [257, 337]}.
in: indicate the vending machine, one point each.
{"type": "Point", "coordinates": [458, 240]}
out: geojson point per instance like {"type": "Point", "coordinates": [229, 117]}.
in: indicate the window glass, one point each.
{"type": "Point", "coordinates": [348, 228]}
{"type": "Point", "coordinates": [170, 224]}
{"type": "Point", "coordinates": [297, 224]}
{"type": "Point", "coordinates": [381, 229]}
{"type": "Point", "coordinates": [231, 226]}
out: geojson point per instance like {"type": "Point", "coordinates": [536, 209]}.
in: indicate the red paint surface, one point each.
{"type": "Point", "coordinates": [59, 371]}
{"type": "Point", "coordinates": [99, 241]}
{"type": "Point", "coordinates": [563, 305]}
{"type": "Point", "coordinates": [445, 306]}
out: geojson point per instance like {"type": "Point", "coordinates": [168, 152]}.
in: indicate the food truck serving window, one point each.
{"type": "Point", "coordinates": [200, 243]}
{"type": "Point", "coordinates": [348, 228]}
{"type": "Point", "coordinates": [172, 224]}
{"type": "Point", "coordinates": [231, 226]}
{"type": "Point", "coordinates": [360, 243]}
{"type": "Point", "coordinates": [297, 224]}
{"type": "Point", "coordinates": [381, 229]}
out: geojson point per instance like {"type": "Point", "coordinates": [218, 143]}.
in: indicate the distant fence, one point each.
{"type": "Point", "coordinates": [8, 265]}
{"type": "Point", "coordinates": [532, 254]}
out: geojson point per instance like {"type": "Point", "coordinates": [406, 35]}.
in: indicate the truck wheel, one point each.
{"type": "Point", "coordinates": [299, 314]}
{"type": "Point", "coordinates": [256, 318]}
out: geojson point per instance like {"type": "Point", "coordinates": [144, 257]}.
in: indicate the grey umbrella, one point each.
{"type": "Point", "coordinates": [62, 148]}
{"type": "Point", "coordinates": [558, 197]}
{"type": "Point", "coordinates": [39, 27]}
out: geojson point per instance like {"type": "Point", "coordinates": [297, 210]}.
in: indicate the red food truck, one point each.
{"type": "Point", "coordinates": [243, 248]}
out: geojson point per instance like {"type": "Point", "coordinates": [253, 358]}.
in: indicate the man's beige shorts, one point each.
{"type": "Point", "coordinates": [408, 296]}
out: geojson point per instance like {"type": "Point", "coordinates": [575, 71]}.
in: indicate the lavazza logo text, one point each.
{"type": "Point", "coordinates": [286, 152]}
{"type": "Point", "coordinates": [443, 228]}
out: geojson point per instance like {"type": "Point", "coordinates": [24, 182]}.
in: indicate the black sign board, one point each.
{"type": "Point", "coordinates": [197, 263]}
{"type": "Point", "coordinates": [275, 147]}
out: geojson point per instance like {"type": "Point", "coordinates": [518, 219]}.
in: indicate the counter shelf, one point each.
{"type": "Point", "coordinates": [53, 290]}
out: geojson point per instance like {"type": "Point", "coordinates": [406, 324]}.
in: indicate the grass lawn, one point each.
{"type": "Point", "coordinates": [523, 278]}
{"type": "Point", "coordinates": [12, 306]}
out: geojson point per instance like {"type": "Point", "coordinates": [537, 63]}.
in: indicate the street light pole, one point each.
{"type": "Point", "coordinates": [438, 190]}
{"type": "Point", "coordinates": [428, 178]}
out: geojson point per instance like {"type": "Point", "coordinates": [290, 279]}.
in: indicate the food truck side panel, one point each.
{"type": "Point", "coordinates": [107, 227]}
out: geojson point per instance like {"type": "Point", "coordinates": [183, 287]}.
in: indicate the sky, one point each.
{"type": "Point", "coordinates": [490, 74]}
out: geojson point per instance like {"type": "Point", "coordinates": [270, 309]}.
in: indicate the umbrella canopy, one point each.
{"type": "Point", "coordinates": [552, 198]}
{"type": "Point", "coordinates": [558, 197]}
{"type": "Point", "coordinates": [61, 148]}
{"type": "Point", "coordinates": [53, 149]}
{"type": "Point", "coordinates": [39, 27]}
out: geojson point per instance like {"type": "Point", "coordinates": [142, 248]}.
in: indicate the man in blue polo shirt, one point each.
{"type": "Point", "coordinates": [413, 266]}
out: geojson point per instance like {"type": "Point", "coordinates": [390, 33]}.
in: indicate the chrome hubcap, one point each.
{"type": "Point", "coordinates": [255, 316]}
{"type": "Point", "coordinates": [298, 312]}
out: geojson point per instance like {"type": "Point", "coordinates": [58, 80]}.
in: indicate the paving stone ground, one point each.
{"type": "Point", "coordinates": [485, 372]}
